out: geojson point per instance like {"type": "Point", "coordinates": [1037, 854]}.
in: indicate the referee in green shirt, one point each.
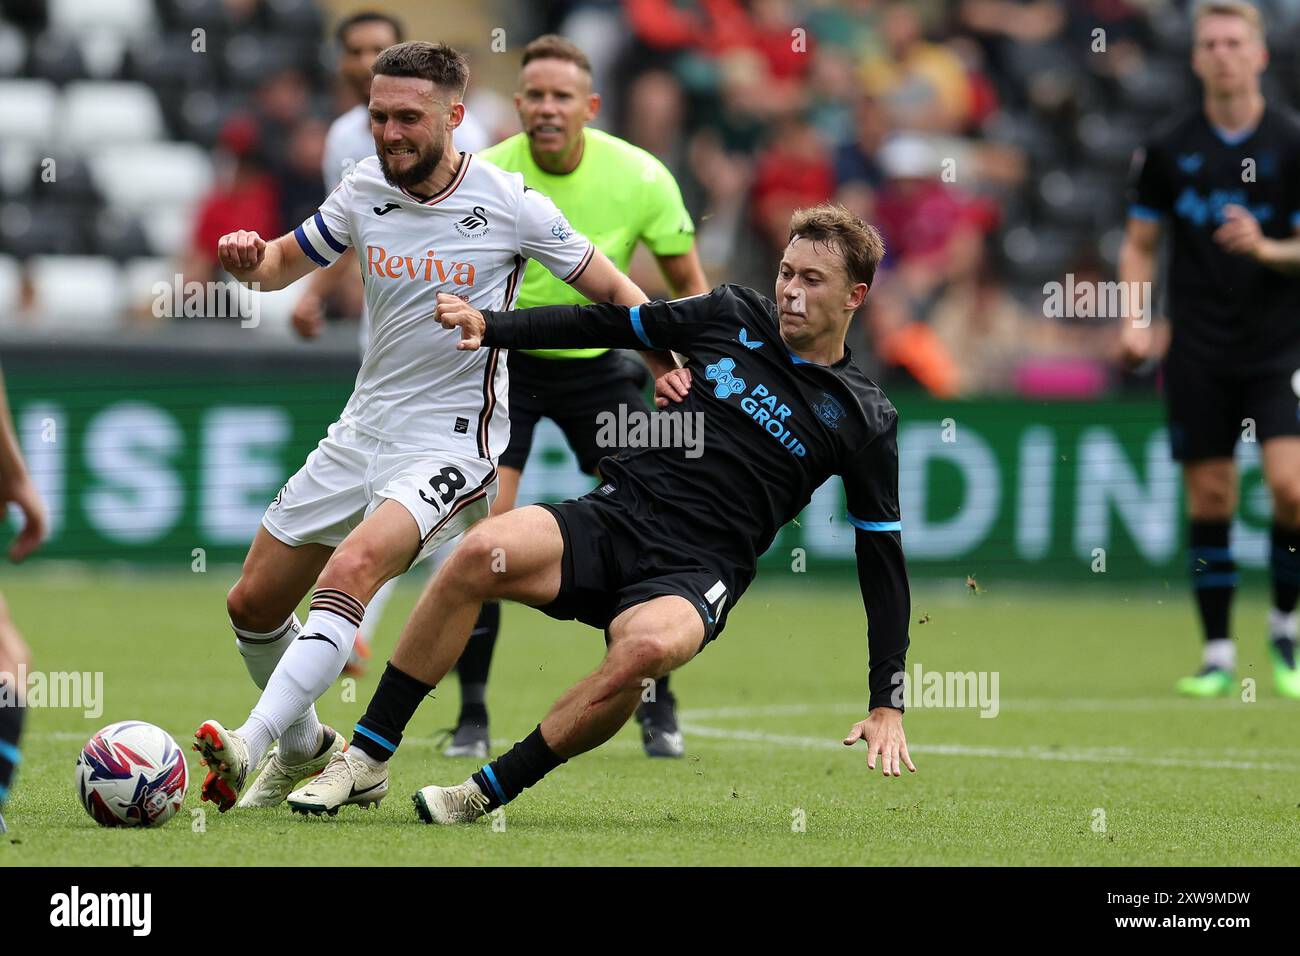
{"type": "Point", "coordinates": [617, 195]}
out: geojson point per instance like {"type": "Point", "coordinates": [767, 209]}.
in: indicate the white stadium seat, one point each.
{"type": "Point", "coordinates": [116, 16]}
{"type": "Point", "coordinates": [82, 293]}
{"type": "Point", "coordinates": [97, 113]}
{"type": "Point", "coordinates": [17, 161]}
{"type": "Point", "coordinates": [13, 50]}
{"type": "Point", "coordinates": [10, 287]}
{"type": "Point", "coordinates": [103, 54]}
{"type": "Point", "coordinates": [140, 277]}
{"type": "Point", "coordinates": [143, 175]}
{"type": "Point", "coordinates": [27, 111]}
{"type": "Point", "coordinates": [168, 228]}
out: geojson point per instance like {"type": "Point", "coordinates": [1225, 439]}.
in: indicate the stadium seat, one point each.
{"type": "Point", "coordinates": [68, 181]}
{"type": "Point", "coordinates": [103, 54]}
{"type": "Point", "coordinates": [1037, 255]}
{"type": "Point", "coordinates": [13, 50]}
{"type": "Point", "coordinates": [202, 113]}
{"type": "Point", "coordinates": [249, 59]}
{"type": "Point", "coordinates": [116, 16]}
{"type": "Point", "coordinates": [30, 16]}
{"type": "Point", "coordinates": [187, 15]}
{"type": "Point", "coordinates": [143, 175]}
{"type": "Point", "coordinates": [168, 62]}
{"type": "Point", "coordinates": [10, 289]}
{"type": "Point", "coordinates": [117, 234]}
{"type": "Point", "coordinates": [56, 57]}
{"type": "Point", "coordinates": [1109, 141]}
{"type": "Point", "coordinates": [1077, 199]}
{"type": "Point", "coordinates": [1158, 88]}
{"type": "Point", "coordinates": [77, 292]}
{"type": "Point", "coordinates": [168, 227]}
{"type": "Point", "coordinates": [34, 229]}
{"type": "Point", "coordinates": [95, 114]}
{"type": "Point", "coordinates": [295, 17]}
{"type": "Point", "coordinates": [16, 162]}
{"type": "Point", "coordinates": [140, 275]}
{"type": "Point", "coordinates": [27, 111]}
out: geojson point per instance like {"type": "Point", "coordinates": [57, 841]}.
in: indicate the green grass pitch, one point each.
{"type": "Point", "coordinates": [1090, 759]}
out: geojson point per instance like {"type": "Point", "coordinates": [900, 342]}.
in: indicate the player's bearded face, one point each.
{"type": "Point", "coordinates": [407, 163]}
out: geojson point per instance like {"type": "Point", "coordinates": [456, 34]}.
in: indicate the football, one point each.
{"type": "Point", "coordinates": [131, 774]}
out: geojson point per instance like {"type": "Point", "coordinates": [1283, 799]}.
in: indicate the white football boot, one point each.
{"type": "Point", "coordinates": [346, 779]}
{"type": "Point", "coordinates": [463, 803]}
{"type": "Point", "coordinates": [226, 756]}
{"type": "Point", "coordinates": [278, 778]}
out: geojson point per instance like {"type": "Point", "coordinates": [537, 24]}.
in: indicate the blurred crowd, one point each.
{"type": "Point", "coordinates": [987, 139]}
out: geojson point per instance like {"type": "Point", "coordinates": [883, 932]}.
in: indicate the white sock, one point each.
{"type": "Point", "coordinates": [261, 652]}
{"type": "Point", "coordinates": [1221, 653]}
{"type": "Point", "coordinates": [365, 758]}
{"type": "Point", "coordinates": [308, 667]}
{"type": "Point", "coordinates": [1281, 625]}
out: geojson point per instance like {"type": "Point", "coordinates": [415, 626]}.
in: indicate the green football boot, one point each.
{"type": "Point", "coordinates": [1209, 682]}
{"type": "Point", "coordinates": [1286, 675]}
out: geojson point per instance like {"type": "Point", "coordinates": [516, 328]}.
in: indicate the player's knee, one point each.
{"type": "Point", "coordinates": [641, 654]}
{"type": "Point", "coordinates": [1212, 500]}
{"type": "Point", "coordinates": [475, 563]}
{"type": "Point", "coordinates": [248, 613]}
{"type": "Point", "coordinates": [1286, 498]}
{"type": "Point", "coordinates": [354, 569]}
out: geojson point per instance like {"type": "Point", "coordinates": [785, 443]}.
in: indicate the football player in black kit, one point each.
{"type": "Point", "coordinates": [1225, 180]}
{"type": "Point", "coordinates": [659, 553]}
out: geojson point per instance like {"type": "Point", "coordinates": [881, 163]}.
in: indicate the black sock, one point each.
{"type": "Point", "coordinates": [1284, 564]}
{"type": "Point", "coordinates": [472, 668]}
{"type": "Point", "coordinates": [379, 731]}
{"type": "Point", "coordinates": [11, 728]}
{"type": "Point", "coordinates": [661, 688]}
{"type": "Point", "coordinates": [526, 763]}
{"type": "Point", "coordinates": [1214, 575]}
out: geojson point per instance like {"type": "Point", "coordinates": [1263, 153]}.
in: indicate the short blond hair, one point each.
{"type": "Point", "coordinates": [858, 243]}
{"type": "Point", "coordinates": [1230, 8]}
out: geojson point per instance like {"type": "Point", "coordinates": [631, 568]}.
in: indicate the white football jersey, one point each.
{"type": "Point", "coordinates": [472, 239]}
{"type": "Point", "coordinates": [350, 140]}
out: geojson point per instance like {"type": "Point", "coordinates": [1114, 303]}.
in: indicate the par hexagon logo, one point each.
{"type": "Point", "coordinates": [727, 384]}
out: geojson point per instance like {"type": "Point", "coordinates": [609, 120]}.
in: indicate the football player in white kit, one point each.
{"type": "Point", "coordinates": [361, 38]}
{"type": "Point", "coordinates": [411, 462]}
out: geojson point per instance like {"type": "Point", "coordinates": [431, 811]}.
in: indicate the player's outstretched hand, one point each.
{"type": "Point", "coordinates": [23, 494]}
{"type": "Point", "coordinates": [883, 732]}
{"type": "Point", "coordinates": [454, 312]}
{"type": "Point", "coordinates": [240, 253]}
{"type": "Point", "coordinates": [1240, 233]}
{"type": "Point", "coordinates": [672, 387]}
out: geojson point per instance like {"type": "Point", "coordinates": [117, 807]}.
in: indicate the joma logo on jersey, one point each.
{"type": "Point", "coordinates": [429, 268]}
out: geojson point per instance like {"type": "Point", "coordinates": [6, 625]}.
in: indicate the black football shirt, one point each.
{"type": "Point", "coordinates": [774, 429]}
{"type": "Point", "coordinates": [1225, 309]}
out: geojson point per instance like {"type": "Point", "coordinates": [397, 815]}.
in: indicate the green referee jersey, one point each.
{"type": "Point", "coordinates": [619, 194]}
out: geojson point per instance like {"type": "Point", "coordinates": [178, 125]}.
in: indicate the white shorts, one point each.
{"type": "Point", "coordinates": [349, 473]}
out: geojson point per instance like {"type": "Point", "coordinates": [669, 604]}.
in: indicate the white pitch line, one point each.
{"type": "Point", "coordinates": [1022, 703]}
{"type": "Point", "coordinates": [1107, 756]}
